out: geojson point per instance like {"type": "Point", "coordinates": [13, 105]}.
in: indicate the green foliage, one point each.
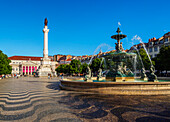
{"type": "Point", "coordinates": [68, 69]}
{"type": "Point", "coordinates": [145, 59]}
{"type": "Point", "coordinates": [73, 67]}
{"type": "Point", "coordinates": [96, 64]}
{"type": "Point", "coordinates": [5, 68]}
{"type": "Point", "coordinates": [76, 66]}
{"type": "Point", "coordinates": [162, 61]}
{"type": "Point", "coordinates": [61, 68]}
{"type": "Point", "coordinates": [84, 68]}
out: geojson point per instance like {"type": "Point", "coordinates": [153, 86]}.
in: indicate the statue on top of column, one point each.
{"type": "Point", "coordinates": [45, 22]}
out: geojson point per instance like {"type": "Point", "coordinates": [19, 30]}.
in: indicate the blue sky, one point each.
{"type": "Point", "coordinates": [78, 27]}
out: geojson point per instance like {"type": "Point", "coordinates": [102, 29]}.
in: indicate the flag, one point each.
{"type": "Point", "coordinates": [119, 24]}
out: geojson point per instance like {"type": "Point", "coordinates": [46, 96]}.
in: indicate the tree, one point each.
{"type": "Point", "coordinates": [96, 64]}
{"type": "Point", "coordinates": [5, 68]}
{"type": "Point", "coordinates": [68, 69]}
{"type": "Point", "coordinates": [61, 68]}
{"type": "Point", "coordinates": [145, 59]}
{"type": "Point", "coordinates": [162, 60]}
{"type": "Point", "coordinates": [75, 66]}
{"type": "Point", "coordinates": [84, 68]}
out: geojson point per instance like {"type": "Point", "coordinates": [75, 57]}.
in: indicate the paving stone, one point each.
{"type": "Point", "coordinates": [40, 99]}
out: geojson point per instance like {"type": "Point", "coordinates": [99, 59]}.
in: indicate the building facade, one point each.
{"type": "Point", "coordinates": [24, 65]}
{"type": "Point", "coordinates": [154, 45]}
{"type": "Point", "coordinates": [27, 65]}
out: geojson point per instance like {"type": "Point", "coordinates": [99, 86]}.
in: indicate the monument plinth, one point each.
{"type": "Point", "coordinates": [46, 68]}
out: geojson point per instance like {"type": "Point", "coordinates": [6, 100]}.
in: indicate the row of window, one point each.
{"type": "Point", "coordinates": [155, 49]}
{"type": "Point", "coordinates": [21, 62]}
{"type": "Point", "coordinates": [16, 62]}
{"type": "Point", "coordinates": [15, 69]}
{"type": "Point", "coordinates": [152, 56]}
{"type": "Point", "coordinates": [160, 42]}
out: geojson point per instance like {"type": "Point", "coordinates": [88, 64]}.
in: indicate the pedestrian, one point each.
{"type": "Point", "coordinates": [62, 76]}
{"type": "Point", "coordinates": [48, 76]}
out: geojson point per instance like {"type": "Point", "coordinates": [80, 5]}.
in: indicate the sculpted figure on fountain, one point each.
{"type": "Point", "coordinates": [88, 75]}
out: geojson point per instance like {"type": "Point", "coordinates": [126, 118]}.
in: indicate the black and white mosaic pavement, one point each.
{"type": "Point", "coordinates": [31, 99]}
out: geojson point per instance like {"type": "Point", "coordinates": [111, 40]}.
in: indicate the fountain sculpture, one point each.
{"type": "Point", "coordinates": [117, 62]}
{"type": "Point", "coordinates": [88, 75]}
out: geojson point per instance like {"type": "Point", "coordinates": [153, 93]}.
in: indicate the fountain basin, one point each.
{"type": "Point", "coordinates": [117, 88]}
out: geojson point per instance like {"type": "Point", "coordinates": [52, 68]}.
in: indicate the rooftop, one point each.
{"type": "Point", "coordinates": [25, 58]}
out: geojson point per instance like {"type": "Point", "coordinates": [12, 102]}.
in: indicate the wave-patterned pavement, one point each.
{"type": "Point", "coordinates": [40, 100]}
{"type": "Point", "coordinates": [32, 100]}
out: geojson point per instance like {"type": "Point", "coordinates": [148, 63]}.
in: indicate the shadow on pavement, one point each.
{"type": "Point", "coordinates": [53, 85]}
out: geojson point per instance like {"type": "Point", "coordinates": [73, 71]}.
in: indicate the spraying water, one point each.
{"type": "Point", "coordinates": [136, 37]}
{"type": "Point", "coordinates": [105, 66]}
{"type": "Point", "coordinates": [135, 66]}
{"type": "Point", "coordinates": [109, 47]}
{"type": "Point", "coordinates": [146, 52]}
{"type": "Point", "coordinates": [139, 56]}
{"type": "Point", "coordinates": [101, 61]}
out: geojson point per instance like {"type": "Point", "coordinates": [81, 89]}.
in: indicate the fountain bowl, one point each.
{"type": "Point", "coordinates": [116, 88]}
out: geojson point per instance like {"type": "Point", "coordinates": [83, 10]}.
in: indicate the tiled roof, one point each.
{"type": "Point", "coordinates": [153, 39]}
{"type": "Point", "coordinates": [167, 33]}
{"type": "Point", "coordinates": [68, 60]}
{"type": "Point", "coordinates": [25, 58]}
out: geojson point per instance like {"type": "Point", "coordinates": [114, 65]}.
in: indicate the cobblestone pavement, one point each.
{"type": "Point", "coordinates": [30, 99]}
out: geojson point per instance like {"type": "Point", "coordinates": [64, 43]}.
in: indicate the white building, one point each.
{"type": "Point", "coordinates": [154, 45]}
{"type": "Point", "coordinates": [24, 65]}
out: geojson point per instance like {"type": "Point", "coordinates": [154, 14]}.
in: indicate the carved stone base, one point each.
{"type": "Point", "coordinates": [44, 71]}
{"type": "Point", "coordinates": [120, 79]}
{"type": "Point", "coordinates": [100, 79]}
{"type": "Point", "coordinates": [89, 80]}
{"type": "Point", "coordinates": [129, 78]}
{"type": "Point", "coordinates": [117, 79]}
{"type": "Point", "coordinates": [153, 81]}
{"type": "Point", "coordinates": [46, 68]}
{"type": "Point", "coordinates": [144, 79]}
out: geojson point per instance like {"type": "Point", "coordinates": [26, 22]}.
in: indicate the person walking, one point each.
{"type": "Point", "coordinates": [48, 76]}
{"type": "Point", "coordinates": [62, 76]}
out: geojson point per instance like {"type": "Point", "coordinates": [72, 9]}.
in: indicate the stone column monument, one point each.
{"type": "Point", "coordinates": [46, 68]}
{"type": "Point", "coordinates": [45, 30]}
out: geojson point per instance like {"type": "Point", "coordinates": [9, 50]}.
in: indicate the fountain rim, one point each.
{"type": "Point", "coordinates": [117, 88]}
{"type": "Point", "coordinates": [116, 83]}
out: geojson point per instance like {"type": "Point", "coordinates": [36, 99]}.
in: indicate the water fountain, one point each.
{"type": "Point", "coordinates": [117, 61]}
{"type": "Point", "coordinates": [120, 79]}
